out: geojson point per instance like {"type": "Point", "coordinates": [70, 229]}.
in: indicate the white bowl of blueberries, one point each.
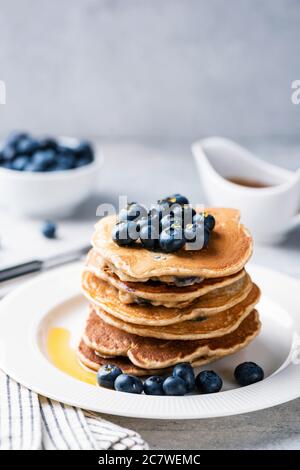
{"type": "Point", "coordinates": [45, 177]}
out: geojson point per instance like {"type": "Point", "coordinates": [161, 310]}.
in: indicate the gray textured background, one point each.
{"type": "Point", "coordinates": [150, 68]}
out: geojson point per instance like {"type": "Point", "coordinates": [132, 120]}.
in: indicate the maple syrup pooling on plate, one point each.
{"type": "Point", "coordinates": [64, 357]}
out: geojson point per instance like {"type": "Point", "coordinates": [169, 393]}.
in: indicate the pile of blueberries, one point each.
{"type": "Point", "coordinates": [181, 382]}
{"type": "Point", "coordinates": [168, 226]}
{"type": "Point", "coordinates": [22, 152]}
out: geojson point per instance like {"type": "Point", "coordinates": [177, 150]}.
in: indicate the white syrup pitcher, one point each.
{"type": "Point", "coordinates": [267, 196]}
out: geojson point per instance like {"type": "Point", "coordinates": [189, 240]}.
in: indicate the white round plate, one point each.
{"type": "Point", "coordinates": [54, 299]}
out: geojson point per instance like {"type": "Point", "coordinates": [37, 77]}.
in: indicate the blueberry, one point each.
{"type": "Point", "coordinates": [128, 383]}
{"type": "Point", "coordinates": [175, 199]}
{"type": "Point", "coordinates": [143, 222]}
{"type": "Point", "coordinates": [154, 220]}
{"type": "Point", "coordinates": [42, 160]}
{"type": "Point", "coordinates": [206, 237]}
{"type": "Point", "coordinates": [49, 229]}
{"type": "Point", "coordinates": [248, 373]}
{"type": "Point", "coordinates": [47, 143]}
{"type": "Point", "coordinates": [8, 153]}
{"type": "Point", "coordinates": [185, 213]}
{"type": "Point", "coordinates": [133, 211]}
{"type": "Point", "coordinates": [107, 375]}
{"type": "Point", "coordinates": [7, 165]}
{"type": "Point", "coordinates": [20, 163]}
{"type": "Point", "coordinates": [174, 386]}
{"type": "Point", "coordinates": [158, 211]}
{"type": "Point", "coordinates": [172, 239]}
{"type": "Point", "coordinates": [185, 372]}
{"type": "Point", "coordinates": [188, 214]}
{"type": "Point", "coordinates": [198, 219]}
{"type": "Point", "coordinates": [79, 162]}
{"type": "Point", "coordinates": [15, 137]}
{"type": "Point", "coordinates": [209, 222]}
{"type": "Point", "coordinates": [208, 381]}
{"type": "Point", "coordinates": [180, 199]}
{"type": "Point", "coordinates": [66, 161]}
{"type": "Point", "coordinates": [149, 236]}
{"type": "Point", "coordinates": [154, 385]}
{"type": "Point", "coordinates": [193, 232]}
{"type": "Point", "coordinates": [125, 233]}
{"type": "Point", "coordinates": [84, 151]}
{"type": "Point", "coordinates": [32, 167]}
{"type": "Point", "coordinates": [167, 221]}
{"type": "Point", "coordinates": [27, 146]}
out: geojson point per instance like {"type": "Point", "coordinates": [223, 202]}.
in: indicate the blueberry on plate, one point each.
{"type": "Point", "coordinates": [49, 229]}
{"type": "Point", "coordinates": [185, 372]}
{"type": "Point", "coordinates": [210, 222]}
{"type": "Point", "coordinates": [248, 373]}
{"type": "Point", "coordinates": [107, 375]}
{"type": "Point", "coordinates": [125, 233]}
{"type": "Point", "coordinates": [149, 236]}
{"type": "Point", "coordinates": [208, 381]}
{"type": "Point", "coordinates": [129, 384]}
{"type": "Point", "coordinates": [171, 239]}
{"type": "Point", "coordinates": [154, 385]}
{"type": "Point", "coordinates": [174, 386]}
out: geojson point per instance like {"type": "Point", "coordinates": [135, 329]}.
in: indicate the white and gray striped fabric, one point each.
{"type": "Point", "coordinates": [32, 422]}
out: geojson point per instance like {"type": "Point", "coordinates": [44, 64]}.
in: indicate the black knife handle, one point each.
{"type": "Point", "coordinates": [20, 270]}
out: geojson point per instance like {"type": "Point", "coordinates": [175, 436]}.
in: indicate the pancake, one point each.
{"type": "Point", "coordinates": [89, 359]}
{"type": "Point", "coordinates": [229, 249]}
{"type": "Point", "coordinates": [204, 327]}
{"type": "Point", "coordinates": [105, 296]}
{"type": "Point", "coordinates": [157, 293]}
{"type": "Point", "coordinates": [150, 353]}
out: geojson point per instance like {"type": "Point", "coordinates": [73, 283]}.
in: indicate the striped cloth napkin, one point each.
{"type": "Point", "coordinates": [32, 422]}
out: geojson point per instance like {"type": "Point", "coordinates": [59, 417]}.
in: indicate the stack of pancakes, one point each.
{"type": "Point", "coordinates": [150, 310]}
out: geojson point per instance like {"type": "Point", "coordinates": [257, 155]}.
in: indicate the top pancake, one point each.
{"type": "Point", "coordinates": [229, 249]}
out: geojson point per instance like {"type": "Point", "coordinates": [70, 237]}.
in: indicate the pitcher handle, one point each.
{"type": "Point", "coordinates": [295, 221]}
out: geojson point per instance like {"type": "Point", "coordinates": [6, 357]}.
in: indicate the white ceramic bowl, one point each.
{"type": "Point", "coordinates": [48, 194]}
